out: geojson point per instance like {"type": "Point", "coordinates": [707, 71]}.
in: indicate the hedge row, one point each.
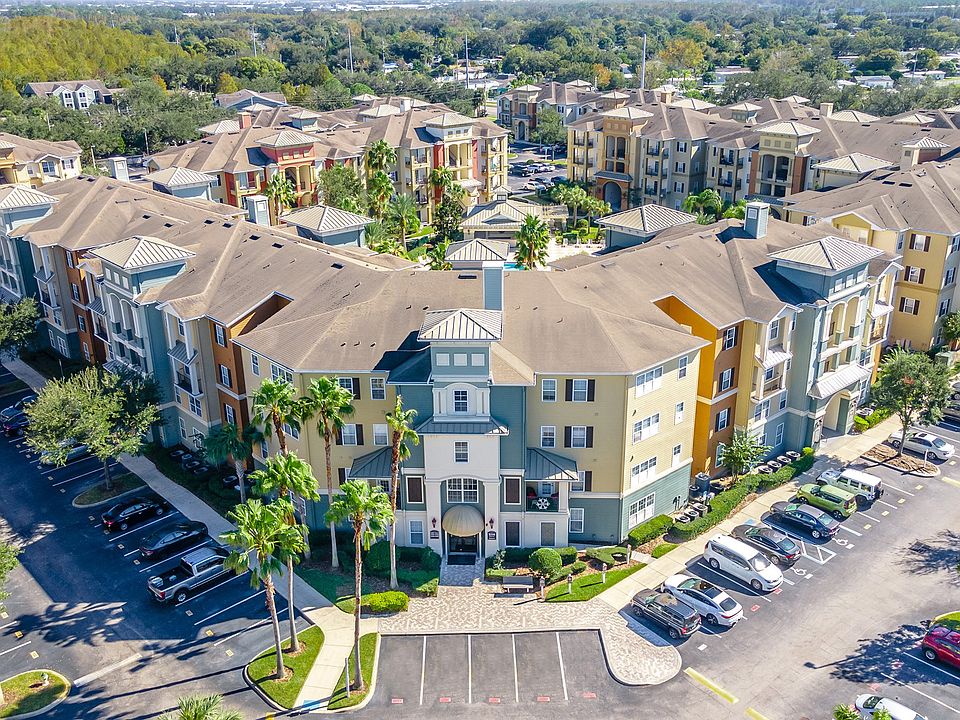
{"type": "Point", "coordinates": [861, 423]}
{"type": "Point", "coordinates": [724, 503]}
{"type": "Point", "coordinates": [610, 554]}
{"type": "Point", "coordinates": [385, 602]}
{"type": "Point", "coordinates": [650, 530]}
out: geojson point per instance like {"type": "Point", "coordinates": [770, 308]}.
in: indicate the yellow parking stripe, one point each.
{"type": "Point", "coordinates": [951, 481]}
{"type": "Point", "coordinates": [710, 685]}
{"type": "Point", "coordinates": [754, 715]}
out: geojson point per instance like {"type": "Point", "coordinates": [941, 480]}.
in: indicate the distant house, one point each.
{"type": "Point", "coordinates": [246, 98]}
{"type": "Point", "coordinates": [875, 81]}
{"type": "Point", "coordinates": [640, 224]}
{"type": "Point", "coordinates": [74, 94]}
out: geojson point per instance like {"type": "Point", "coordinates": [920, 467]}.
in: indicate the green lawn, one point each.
{"type": "Point", "coordinates": [586, 587]}
{"type": "Point", "coordinates": [951, 620]}
{"type": "Point", "coordinates": [23, 694]}
{"type": "Point", "coordinates": [122, 482]}
{"type": "Point", "coordinates": [368, 651]}
{"type": "Point", "coordinates": [334, 585]}
{"type": "Point", "coordinates": [662, 549]}
{"type": "Point", "coordinates": [285, 692]}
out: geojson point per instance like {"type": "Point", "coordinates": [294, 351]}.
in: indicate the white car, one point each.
{"type": "Point", "coordinates": [867, 705]}
{"type": "Point", "coordinates": [743, 562]}
{"type": "Point", "coordinates": [713, 604]}
{"type": "Point", "coordinates": [924, 442]}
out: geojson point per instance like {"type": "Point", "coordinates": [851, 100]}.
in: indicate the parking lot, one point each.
{"type": "Point", "coordinates": [517, 183]}
{"type": "Point", "coordinates": [80, 604]}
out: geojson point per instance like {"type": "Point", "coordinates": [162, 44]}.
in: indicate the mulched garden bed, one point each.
{"type": "Point", "coordinates": [887, 455]}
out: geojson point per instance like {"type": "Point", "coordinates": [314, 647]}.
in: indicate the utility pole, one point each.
{"type": "Point", "coordinates": [643, 64]}
{"type": "Point", "coordinates": [350, 49]}
{"type": "Point", "coordinates": [383, 54]}
{"type": "Point", "coordinates": [253, 36]}
{"type": "Point", "coordinates": [466, 58]}
{"type": "Point", "coordinates": [146, 143]}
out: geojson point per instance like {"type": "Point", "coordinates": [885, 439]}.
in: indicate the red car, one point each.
{"type": "Point", "coordinates": [943, 644]}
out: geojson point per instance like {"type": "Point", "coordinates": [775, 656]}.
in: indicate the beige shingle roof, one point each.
{"type": "Point", "coordinates": [914, 119]}
{"type": "Point", "coordinates": [829, 253]}
{"type": "Point", "coordinates": [448, 119]}
{"type": "Point", "coordinates": [30, 150]}
{"type": "Point", "coordinates": [647, 218]}
{"type": "Point", "coordinates": [287, 138]}
{"type": "Point", "coordinates": [461, 324]}
{"type": "Point", "coordinates": [857, 116]}
{"type": "Point", "coordinates": [141, 252]}
{"type": "Point", "coordinates": [20, 196]}
{"type": "Point", "coordinates": [693, 104]}
{"type": "Point", "coordinates": [796, 99]}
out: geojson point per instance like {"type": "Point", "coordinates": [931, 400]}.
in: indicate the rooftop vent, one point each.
{"type": "Point", "coordinates": [337, 266]}
{"type": "Point", "coordinates": [278, 245]}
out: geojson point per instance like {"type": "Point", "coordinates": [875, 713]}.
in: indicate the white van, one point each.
{"type": "Point", "coordinates": [864, 485]}
{"type": "Point", "coordinates": [743, 562]}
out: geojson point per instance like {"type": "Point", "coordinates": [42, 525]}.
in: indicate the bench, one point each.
{"type": "Point", "coordinates": [521, 583]}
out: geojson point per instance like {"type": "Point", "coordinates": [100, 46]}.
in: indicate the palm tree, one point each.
{"type": "Point", "coordinates": [380, 156]}
{"type": "Point", "coordinates": [441, 178]}
{"type": "Point", "coordinates": [274, 405]}
{"type": "Point", "coordinates": [402, 217]}
{"type": "Point", "coordinates": [402, 433]}
{"type": "Point", "coordinates": [374, 235]}
{"type": "Point", "coordinates": [437, 255]}
{"type": "Point", "coordinates": [368, 511]}
{"type": "Point", "coordinates": [259, 543]}
{"type": "Point", "coordinates": [950, 328]}
{"type": "Point", "coordinates": [573, 196]}
{"type": "Point", "coordinates": [735, 211]}
{"type": "Point", "coordinates": [281, 192]}
{"type": "Point", "coordinates": [379, 190]}
{"type": "Point", "coordinates": [287, 476]}
{"type": "Point", "coordinates": [390, 246]}
{"type": "Point", "coordinates": [707, 202]}
{"type": "Point", "coordinates": [227, 443]}
{"type": "Point", "coordinates": [332, 404]}
{"type": "Point", "coordinates": [532, 241]}
{"type": "Point", "coordinates": [200, 707]}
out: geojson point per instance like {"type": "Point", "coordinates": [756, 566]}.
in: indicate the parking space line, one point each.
{"type": "Point", "coordinates": [229, 607]}
{"type": "Point", "coordinates": [423, 667]}
{"type": "Point", "coordinates": [732, 579]}
{"type": "Point", "coordinates": [469, 669]}
{"type": "Point", "coordinates": [214, 587]}
{"type": "Point", "coordinates": [754, 715]}
{"type": "Point", "coordinates": [852, 532]}
{"type": "Point", "coordinates": [165, 515]}
{"type": "Point", "coordinates": [81, 681]}
{"type": "Point", "coordinates": [231, 636]}
{"type": "Point", "coordinates": [931, 665]}
{"type": "Point", "coordinates": [920, 692]}
{"type": "Point", "coordinates": [890, 487]}
{"type": "Point", "coordinates": [16, 647]}
{"type": "Point", "coordinates": [951, 481]}
{"type": "Point", "coordinates": [83, 475]}
{"type": "Point", "coordinates": [12, 622]}
{"type": "Point", "coordinates": [869, 517]}
{"type": "Point", "coordinates": [563, 675]}
{"type": "Point", "coordinates": [176, 556]}
{"type": "Point", "coordinates": [886, 504]}
{"type": "Point", "coordinates": [516, 677]}
{"type": "Point", "coordinates": [711, 686]}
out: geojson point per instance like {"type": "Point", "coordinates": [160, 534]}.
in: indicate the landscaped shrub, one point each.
{"type": "Point", "coordinates": [377, 559]}
{"type": "Point", "coordinates": [518, 555]}
{"type": "Point", "coordinates": [429, 560]}
{"type": "Point", "coordinates": [545, 562]}
{"type": "Point", "coordinates": [567, 554]}
{"type": "Point", "coordinates": [611, 554]}
{"type": "Point", "coordinates": [650, 530]}
{"type": "Point", "coordinates": [860, 424]}
{"type": "Point", "coordinates": [578, 567]}
{"type": "Point", "coordinates": [386, 602]}
{"type": "Point", "coordinates": [346, 560]}
{"type": "Point", "coordinates": [422, 581]}
{"type": "Point", "coordinates": [497, 573]}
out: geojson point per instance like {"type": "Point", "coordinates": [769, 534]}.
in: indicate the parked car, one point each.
{"type": "Point", "coordinates": [943, 644]}
{"type": "Point", "coordinates": [74, 453]}
{"type": "Point", "coordinates": [777, 546]}
{"type": "Point", "coordinates": [865, 486]}
{"type": "Point", "coordinates": [17, 408]}
{"type": "Point", "coordinates": [729, 555]}
{"type": "Point", "coordinates": [713, 604]}
{"type": "Point", "coordinates": [867, 706]}
{"type": "Point", "coordinates": [198, 569]}
{"type": "Point", "coordinates": [813, 520]}
{"type": "Point", "coordinates": [955, 391]}
{"type": "Point", "coordinates": [15, 426]}
{"type": "Point", "coordinates": [839, 503]}
{"type": "Point", "coordinates": [924, 443]}
{"type": "Point", "coordinates": [130, 512]}
{"type": "Point", "coordinates": [679, 619]}
{"type": "Point", "coordinates": [165, 542]}
{"type": "Point", "coordinates": [952, 412]}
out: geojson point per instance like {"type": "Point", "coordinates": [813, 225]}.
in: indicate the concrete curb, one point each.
{"type": "Point", "coordinates": [51, 706]}
{"type": "Point", "coordinates": [108, 500]}
{"type": "Point", "coordinates": [373, 685]}
{"type": "Point", "coordinates": [253, 686]}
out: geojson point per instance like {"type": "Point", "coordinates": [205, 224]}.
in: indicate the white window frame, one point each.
{"type": "Point", "coordinates": [725, 382]}
{"type": "Point", "coordinates": [225, 378]}
{"type": "Point", "coordinates": [725, 415]}
{"type": "Point", "coordinates": [549, 433]}
{"type": "Point", "coordinates": [779, 435]}
{"type": "Point", "coordinates": [682, 367]}
{"type": "Point", "coordinates": [221, 334]}
{"type": "Point", "coordinates": [676, 456]}
{"type": "Point", "coordinates": [229, 414]}
{"type": "Point", "coordinates": [544, 392]}
{"type": "Point", "coordinates": [461, 451]}
{"type": "Point", "coordinates": [580, 485]}
{"type": "Point", "coordinates": [477, 360]}
{"type": "Point", "coordinates": [519, 533]}
{"type": "Point", "coordinates": [460, 360]}
{"type": "Point", "coordinates": [649, 426]}
{"type": "Point", "coordinates": [279, 371]}
{"type": "Point", "coordinates": [183, 428]}
{"type": "Point", "coordinates": [459, 492]}
{"type": "Point", "coordinates": [648, 381]}
{"type": "Point", "coordinates": [576, 520]}
{"type": "Point", "coordinates": [574, 432]}
{"type": "Point", "coordinates": [576, 389]}
{"type": "Point", "coordinates": [641, 510]}
{"type": "Point", "coordinates": [348, 434]}
{"type": "Point", "coordinates": [413, 532]}
{"type": "Point", "coordinates": [381, 431]}
{"type": "Point", "coordinates": [195, 406]}
{"type": "Point", "coordinates": [378, 388]}
{"type": "Point", "coordinates": [730, 338]}
{"type": "Point", "coordinates": [678, 413]}
{"type": "Point", "coordinates": [443, 359]}
{"type": "Point", "coordinates": [461, 397]}
{"type": "Point", "coordinates": [255, 365]}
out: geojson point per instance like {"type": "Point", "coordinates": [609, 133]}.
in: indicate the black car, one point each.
{"type": "Point", "coordinates": [818, 523]}
{"type": "Point", "coordinates": [679, 619]}
{"type": "Point", "coordinates": [164, 542]}
{"type": "Point", "coordinates": [951, 412]}
{"type": "Point", "coordinates": [955, 391]}
{"type": "Point", "coordinates": [14, 426]}
{"type": "Point", "coordinates": [16, 409]}
{"type": "Point", "coordinates": [132, 511]}
{"type": "Point", "coordinates": [774, 544]}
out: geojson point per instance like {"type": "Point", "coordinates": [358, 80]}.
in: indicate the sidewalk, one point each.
{"type": "Point", "coordinates": [337, 626]}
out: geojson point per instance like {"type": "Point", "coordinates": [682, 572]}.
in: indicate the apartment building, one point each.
{"type": "Point", "coordinates": [916, 214]}
{"type": "Point", "coordinates": [36, 162]}
{"type": "Point", "coordinates": [517, 109]}
{"type": "Point", "coordinates": [74, 94]}
{"type": "Point", "coordinates": [246, 99]}
{"type": "Point", "coordinates": [424, 136]}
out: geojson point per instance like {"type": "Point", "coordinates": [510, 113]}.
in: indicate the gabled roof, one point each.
{"type": "Point", "coordinates": [373, 466]}
{"type": "Point", "coordinates": [528, 88]}
{"type": "Point", "coordinates": [287, 138]}
{"type": "Point", "coordinates": [365, 97]}
{"type": "Point", "coordinates": [647, 218]}
{"type": "Point", "coordinates": [925, 143]}
{"type": "Point", "coordinates": [796, 99]}
{"type": "Point", "coordinates": [744, 107]}
{"type": "Point", "coordinates": [178, 177]}
{"type": "Point", "coordinates": [140, 252]}
{"type": "Point", "coordinates": [857, 116]}
{"type": "Point", "coordinates": [324, 218]}
{"type": "Point", "coordinates": [478, 250]}
{"type": "Point", "coordinates": [630, 112]}
{"type": "Point", "coordinates": [790, 128]}
{"type": "Point", "coordinates": [914, 119]}
{"type": "Point", "coordinates": [448, 119]}
{"type": "Point", "coordinates": [461, 324]}
{"type": "Point", "coordinates": [20, 196]}
{"type": "Point", "coordinates": [829, 253]}
{"type": "Point", "coordinates": [853, 163]}
{"type": "Point", "coordinates": [693, 104]}
{"type": "Point", "coordinates": [542, 465]}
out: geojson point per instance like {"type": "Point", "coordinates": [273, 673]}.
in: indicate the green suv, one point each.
{"type": "Point", "coordinates": [835, 501]}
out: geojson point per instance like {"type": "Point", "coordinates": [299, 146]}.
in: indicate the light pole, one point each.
{"type": "Point", "coordinates": [146, 142]}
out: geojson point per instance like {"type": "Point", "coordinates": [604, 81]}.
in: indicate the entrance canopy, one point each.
{"type": "Point", "coordinates": [462, 521]}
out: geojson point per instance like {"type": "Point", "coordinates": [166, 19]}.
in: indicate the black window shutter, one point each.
{"type": "Point", "coordinates": [716, 424]}
{"type": "Point", "coordinates": [589, 436]}
{"type": "Point", "coordinates": [922, 273]}
{"type": "Point", "coordinates": [359, 434]}
{"type": "Point", "coordinates": [342, 474]}
{"type": "Point", "coordinates": [916, 307]}
{"type": "Point", "coordinates": [588, 480]}
{"type": "Point", "coordinates": [569, 394]}
{"type": "Point", "coordinates": [903, 301]}
{"type": "Point", "coordinates": [567, 432]}
{"type": "Point", "coordinates": [356, 389]}
{"type": "Point", "coordinates": [591, 390]}
{"type": "Point", "coordinates": [339, 437]}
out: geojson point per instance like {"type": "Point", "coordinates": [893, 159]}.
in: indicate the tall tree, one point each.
{"type": "Point", "coordinates": [573, 196]}
{"type": "Point", "coordinates": [341, 187]}
{"type": "Point", "coordinates": [380, 156]}
{"type": "Point", "coordinates": [912, 386]}
{"type": "Point", "coordinates": [18, 325]}
{"type": "Point", "coordinates": [200, 707]}
{"type": "Point", "coordinates": [281, 192]}
{"type": "Point", "coordinates": [108, 412]}
{"type": "Point", "coordinates": [402, 435]}
{"type": "Point", "coordinates": [379, 190]}
{"type": "Point", "coordinates": [275, 405]}
{"type": "Point", "coordinates": [437, 255]}
{"type": "Point", "coordinates": [288, 476]}
{"type": "Point", "coordinates": [368, 512]}
{"type": "Point", "coordinates": [950, 327]}
{"type": "Point", "coordinates": [331, 404]}
{"type": "Point", "coordinates": [742, 453]}
{"type": "Point", "coordinates": [258, 545]}
{"type": "Point", "coordinates": [448, 215]}
{"type": "Point", "coordinates": [532, 242]}
{"type": "Point", "coordinates": [441, 179]}
{"type": "Point", "coordinates": [706, 204]}
{"type": "Point", "coordinates": [402, 217]}
{"type": "Point", "coordinates": [550, 129]}
{"type": "Point", "coordinates": [227, 443]}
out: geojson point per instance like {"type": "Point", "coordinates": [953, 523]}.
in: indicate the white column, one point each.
{"type": "Point", "coordinates": [491, 508]}
{"type": "Point", "coordinates": [432, 490]}
{"type": "Point", "coordinates": [564, 499]}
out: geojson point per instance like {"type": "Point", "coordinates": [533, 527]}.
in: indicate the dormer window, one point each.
{"type": "Point", "coordinates": [460, 402]}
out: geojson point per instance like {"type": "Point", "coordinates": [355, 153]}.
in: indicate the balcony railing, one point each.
{"type": "Point", "coordinates": [183, 382]}
{"type": "Point", "coordinates": [537, 502]}
{"type": "Point", "coordinates": [773, 385]}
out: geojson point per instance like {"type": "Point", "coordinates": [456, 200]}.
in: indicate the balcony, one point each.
{"type": "Point", "coordinates": [100, 333]}
{"type": "Point", "coordinates": [653, 169]}
{"type": "Point", "coordinates": [49, 300]}
{"type": "Point", "coordinates": [650, 190]}
{"type": "Point", "coordinates": [183, 382]}
{"type": "Point", "coordinates": [537, 502]}
{"type": "Point", "coordinates": [773, 385]}
{"type": "Point", "coordinates": [726, 159]}
{"type": "Point", "coordinates": [725, 182]}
